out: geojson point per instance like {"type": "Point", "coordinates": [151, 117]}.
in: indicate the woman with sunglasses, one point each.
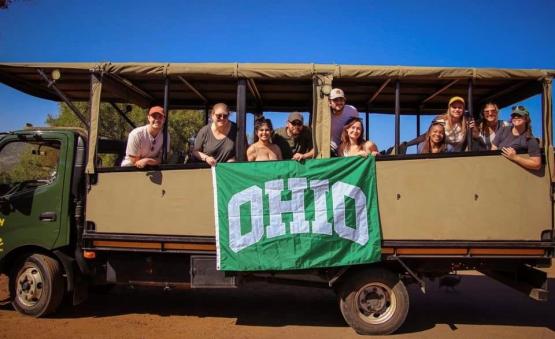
{"type": "Point", "coordinates": [435, 140]}
{"type": "Point", "coordinates": [455, 124]}
{"type": "Point", "coordinates": [352, 140]}
{"type": "Point", "coordinates": [518, 137]}
{"type": "Point", "coordinates": [489, 126]}
{"type": "Point", "coordinates": [263, 149]}
{"type": "Point", "coordinates": [215, 142]}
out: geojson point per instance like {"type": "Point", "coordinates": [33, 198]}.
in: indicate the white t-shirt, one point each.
{"type": "Point", "coordinates": [141, 144]}
{"type": "Point", "coordinates": [337, 123]}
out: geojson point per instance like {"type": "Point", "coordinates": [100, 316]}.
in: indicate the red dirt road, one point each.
{"type": "Point", "coordinates": [478, 308]}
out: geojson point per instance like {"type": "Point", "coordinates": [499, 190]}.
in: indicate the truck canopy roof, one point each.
{"type": "Point", "coordinates": [279, 87]}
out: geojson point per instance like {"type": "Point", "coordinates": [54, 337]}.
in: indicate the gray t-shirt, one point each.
{"type": "Point", "coordinates": [338, 122]}
{"type": "Point", "coordinates": [221, 150]}
{"type": "Point", "coordinates": [290, 145]}
{"type": "Point", "coordinates": [504, 137]}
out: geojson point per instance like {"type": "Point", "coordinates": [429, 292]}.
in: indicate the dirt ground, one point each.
{"type": "Point", "coordinates": [479, 308]}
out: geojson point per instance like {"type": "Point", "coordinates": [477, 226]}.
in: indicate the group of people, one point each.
{"type": "Point", "coordinates": [215, 142]}
{"type": "Point", "coordinates": [448, 133]}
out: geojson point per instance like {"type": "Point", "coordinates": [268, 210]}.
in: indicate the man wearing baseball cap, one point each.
{"type": "Point", "coordinates": [340, 113]}
{"type": "Point", "coordinates": [144, 144]}
{"type": "Point", "coordinates": [295, 139]}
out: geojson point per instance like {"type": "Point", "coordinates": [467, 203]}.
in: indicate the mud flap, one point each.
{"type": "Point", "coordinates": [205, 275]}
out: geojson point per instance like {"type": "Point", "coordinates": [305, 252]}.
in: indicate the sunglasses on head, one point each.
{"type": "Point", "coordinates": [296, 123]}
{"type": "Point", "coordinates": [519, 108]}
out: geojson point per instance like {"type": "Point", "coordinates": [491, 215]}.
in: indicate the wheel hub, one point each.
{"type": "Point", "coordinates": [373, 301]}
{"type": "Point", "coordinates": [29, 286]}
{"type": "Point", "coordinates": [376, 303]}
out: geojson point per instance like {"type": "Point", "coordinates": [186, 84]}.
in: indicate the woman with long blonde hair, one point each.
{"type": "Point", "coordinates": [455, 124]}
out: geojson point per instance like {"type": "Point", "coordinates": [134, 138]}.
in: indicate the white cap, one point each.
{"type": "Point", "coordinates": [336, 93]}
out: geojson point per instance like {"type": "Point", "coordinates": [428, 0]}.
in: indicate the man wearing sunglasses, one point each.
{"type": "Point", "coordinates": [144, 144]}
{"type": "Point", "coordinates": [295, 139]}
{"type": "Point", "coordinates": [340, 114]}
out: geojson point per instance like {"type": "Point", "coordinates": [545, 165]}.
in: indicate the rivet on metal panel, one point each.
{"type": "Point", "coordinates": [398, 196]}
{"type": "Point", "coordinates": [476, 196]}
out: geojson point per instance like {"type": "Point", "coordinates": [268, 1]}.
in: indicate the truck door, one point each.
{"type": "Point", "coordinates": [31, 189]}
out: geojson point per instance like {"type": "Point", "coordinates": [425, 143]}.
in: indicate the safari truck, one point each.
{"type": "Point", "coordinates": [69, 221]}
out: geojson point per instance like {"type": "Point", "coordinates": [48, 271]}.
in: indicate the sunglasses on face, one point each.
{"type": "Point", "coordinates": [157, 116]}
{"type": "Point", "coordinates": [221, 116]}
{"type": "Point", "coordinates": [296, 123]}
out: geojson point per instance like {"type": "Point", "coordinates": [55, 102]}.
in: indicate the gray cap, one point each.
{"type": "Point", "coordinates": [520, 110]}
{"type": "Point", "coordinates": [295, 116]}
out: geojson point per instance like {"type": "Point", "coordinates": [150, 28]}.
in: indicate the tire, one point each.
{"type": "Point", "coordinates": [37, 285]}
{"type": "Point", "coordinates": [373, 301]}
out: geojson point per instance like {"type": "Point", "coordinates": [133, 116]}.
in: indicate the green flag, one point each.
{"type": "Point", "coordinates": [281, 215]}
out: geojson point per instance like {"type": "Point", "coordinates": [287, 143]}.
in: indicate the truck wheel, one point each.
{"type": "Point", "coordinates": [374, 301]}
{"type": "Point", "coordinates": [37, 285]}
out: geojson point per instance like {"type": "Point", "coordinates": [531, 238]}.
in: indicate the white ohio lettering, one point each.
{"type": "Point", "coordinates": [357, 233]}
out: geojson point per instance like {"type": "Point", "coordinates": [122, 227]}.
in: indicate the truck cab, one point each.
{"type": "Point", "coordinates": [39, 192]}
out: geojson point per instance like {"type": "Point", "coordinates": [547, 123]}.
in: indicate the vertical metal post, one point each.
{"type": "Point", "coordinates": [240, 143]}
{"type": "Point", "coordinates": [418, 121]}
{"type": "Point", "coordinates": [397, 115]}
{"type": "Point", "coordinates": [206, 114]}
{"type": "Point", "coordinates": [167, 120]}
{"type": "Point", "coordinates": [367, 127]}
{"type": "Point", "coordinates": [470, 106]}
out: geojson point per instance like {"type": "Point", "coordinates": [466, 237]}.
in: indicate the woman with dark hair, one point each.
{"type": "Point", "coordinates": [518, 137]}
{"type": "Point", "coordinates": [435, 140]}
{"type": "Point", "coordinates": [352, 140]}
{"type": "Point", "coordinates": [489, 125]}
{"type": "Point", "coordinates": [263, 149]}
{"type": "Point", "coordinates": [215, 142]}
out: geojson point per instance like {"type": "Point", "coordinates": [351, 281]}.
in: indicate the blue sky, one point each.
{"type": "Point", "coordinates": [472, 33]}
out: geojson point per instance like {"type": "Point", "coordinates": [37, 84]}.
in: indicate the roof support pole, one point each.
{"type": "Point", "coordinates": [470, 115]}
{"type": "Point", "coordinates": [418, 116]}
{"type": "Point", "coordinates": [206, 113]}
{"type": "Point", "coordinates": [367, 125]}
{"type": "Point", "coordinates": [123, 114]}
{"type": "Point", "coordinates": [397, 115]}
{"type": "Point", "coordinates": [94, 111]}
{"type": "Point", "coordinates": [439, 91]}
{"type": "Point", "coordinates": [547, 126]}
{"type": "Point", "coordinates": [241, 120]}
{"type": "Point", "coordinates": [52, 84]}
{"type": "Point", "coordinates": [378, 91]}
{"type": "Point", "coordinates": [192, 88]}
{"type": "Point", "coordinates": [166, 107]}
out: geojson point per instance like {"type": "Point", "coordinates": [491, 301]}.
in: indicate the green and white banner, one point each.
{"type": "Point", "coordinates": [281, 215]}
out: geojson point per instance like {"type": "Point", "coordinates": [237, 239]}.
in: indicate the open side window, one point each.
{"type": "Point", "coordinates": [26, 165]}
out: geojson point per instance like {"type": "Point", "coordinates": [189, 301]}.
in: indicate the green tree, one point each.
{"type": "Point", "coordinates": [182, 124]}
